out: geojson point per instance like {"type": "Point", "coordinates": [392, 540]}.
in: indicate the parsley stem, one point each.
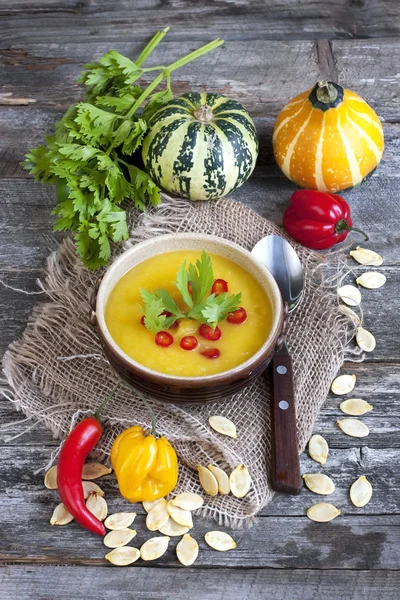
{"type": "Point", "coordinates": [155, 40]}
{"type": "Point", "coordinates": [195, 54]}
{"type": "Point", "coordinates": [146, 93]}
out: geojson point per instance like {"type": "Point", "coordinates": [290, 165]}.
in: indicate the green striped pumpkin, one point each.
{"type": "Point", "coordinates": [200, 146]}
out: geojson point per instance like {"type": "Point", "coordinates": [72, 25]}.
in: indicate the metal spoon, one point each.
{"type": "Point", "coordinates": [282, 261]}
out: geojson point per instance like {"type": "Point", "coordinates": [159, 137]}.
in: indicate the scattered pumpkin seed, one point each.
{"type": "Point", "coordinates": [188, 501]}
{"type": "Point", "coordinates": [179, 515]}
{"type": "Point", "coordinates": [154, 548]}
{"type": "Point", "coordinates": [91, 486]}
{"type": "Point", "coordinates": [322, 512]}
{"type": "Point", "coordinates": [223, 425]}
{"type": "Point", "coordinates": [355, 407]}
{"type": "Point", "coordinates": [343, 384]}
{"type": "Point", "coordinates": [148, 505]}
{"type": "Point", "coordinates": [157, 516]}
{"type": "Point", "coordinates": [208, 481]}
{"type": "Point", "coordinates": [240, 481]}
{"type": "Point", "coordinates": [119, 538]}
{"type": "Point", "coordinates": [318, 449]}
{"type": "Point", "coordinates": [319, 483]}
{"type": "Point", "coordinates": [350, 295]}
{"type": "Point", "coordinates": [50, 479]}
{"type": "Point", "coordinates": [61, 516]}
{"type": "Point", "coordinates": [371, 280]}
{"type": "Point", "coordinates": [353, 427]}
{"type": "Point", "coordinates": [97, 506]}
{"type": "Point", "coordinates": [222, 479]}
{"type": "Point", "coordinates": [187, 550]}
{"type": "Point", "coordinates": [366, 257]}
{"type": "Point", "coordinates": [219, 540]}
{"type": "Point", "coordinates": [173, 529]}
{"type": "Point", "coordinates": [361, 491]}
{"type": "Point", "coordinates": [94, 471]}
{"type": "Point", "coordinates": [120, 520]}
{"type": "Point", "coordinates": [350, 313]}
{"type": "Point", "coordinates": [365, 340]}
{"type": "Point", "coordinates": [126, 555]}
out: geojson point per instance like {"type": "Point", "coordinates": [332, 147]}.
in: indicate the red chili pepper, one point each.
{"type": "Point", "coordinates": [74, 451]}
{"type": "Point", "coordinates": [317, 219]}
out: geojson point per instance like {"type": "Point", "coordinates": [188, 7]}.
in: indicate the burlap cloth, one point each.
{"type": "Point", "coordinates": [52, 378]}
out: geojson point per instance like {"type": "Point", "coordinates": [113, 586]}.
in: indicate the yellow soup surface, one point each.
{"type": "Point", "coordinates": [237, 343]}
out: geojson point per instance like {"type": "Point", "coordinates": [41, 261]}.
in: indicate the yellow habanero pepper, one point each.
{"type": "Point", "coordinates": [146, 466]}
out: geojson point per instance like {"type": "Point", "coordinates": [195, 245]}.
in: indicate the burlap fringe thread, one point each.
{"type": "Point", "coordinates": [57, 371]}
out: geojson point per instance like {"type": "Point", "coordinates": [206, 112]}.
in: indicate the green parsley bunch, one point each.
{"type": "Point", "coordinates": [88, 155]}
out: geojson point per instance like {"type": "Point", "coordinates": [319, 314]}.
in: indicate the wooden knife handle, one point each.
{"type": "Point", "coordinates": [285, 475]}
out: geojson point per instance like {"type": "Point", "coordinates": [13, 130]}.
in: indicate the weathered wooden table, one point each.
{"type": "Point", "coordinates": [271, 53]}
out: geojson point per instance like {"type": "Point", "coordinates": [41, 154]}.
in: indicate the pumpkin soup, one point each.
{"type": "Point", "coordinates": [187, 347]}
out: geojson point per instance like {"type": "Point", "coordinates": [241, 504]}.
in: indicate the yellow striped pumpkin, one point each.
{"type": "Point", "coordinates": [327, 138]}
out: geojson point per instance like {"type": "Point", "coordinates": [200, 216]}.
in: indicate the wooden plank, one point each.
{"type": "Point", "coordinates": [92, 583]}
{"type": "Point", "coordinates": [253, 19]}
{"type": "Point", "coordinates": [349, 542]}
{"type": "Point", "coordinates": [344, 467]}
{"type": "Point", "coordinates": [264, 75]}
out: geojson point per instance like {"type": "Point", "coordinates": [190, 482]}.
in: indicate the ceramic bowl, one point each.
{"type": "Point", "coordinates": [171, 388]}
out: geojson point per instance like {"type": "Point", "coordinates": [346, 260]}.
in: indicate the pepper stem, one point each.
{"type": "Point", "coordinates": [106, 401]}
{"type": "Point", "coordinates": [342, 226]}
{"type": "Point", "coordinates": [326, 92]}
{"type": "Point", "coordinates": [152, 415]}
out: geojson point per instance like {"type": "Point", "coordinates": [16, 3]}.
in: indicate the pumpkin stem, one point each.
{"type": "Point", "coordinates": [342, 226]}
{"type": "Point", "coordinates": [203, 113]}
{"type": "Point", "coordinates": [326, 92]}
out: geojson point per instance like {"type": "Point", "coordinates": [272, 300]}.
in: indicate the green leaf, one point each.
{"type": "Point", "coordinates": [201, 277]}
{"type": "Point", "coordinates": [96, 125]}
{"type": "Point", "coordinates": [157, 100]}
{"type": "Point", "coordinates": [143, 189]}
{"type": "Point", "coordinates": [169, 303]}
{"type": "Point", "coordinates": [216, 308]}
{"type": "Point", "coordinates": [182, 281]}
{"type": "Point", "coordinates": [153, 307]}
{"type": "Point", "coordinates": [38, 163]}
{"type": "Point", "coordinates": [78, 153]}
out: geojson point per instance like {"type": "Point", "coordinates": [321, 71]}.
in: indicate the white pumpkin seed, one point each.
{"type": "Point", "coordinates": [322, 512]}
{"type": "Point", "coordinates": [157, 516]}
{"type": "Point", "coordinates": [350, 295]}
{"type": "Point", "coordinates": [91, 486]}
{"type": "Point", "coordinates": [365, 340]}
{"type": "Point", "coordinates": [126, 555]}
{"type": "Point", "coordinates": [366, 257]}
{"type": "Point", "coordinates": [188, 501]}
{"type": "Point", "coordinates": [350, 313]}
{"type": "Point", "coordinates": [120, 520]}
{"type": "Point", "coordinates": [97, 506]}
{"type": "Point", "coordinates": [118, 538]}
{"type": "Point", "coordinates": [187, 550]}
{"type": "Point", "coordinates": [319, 483]}
{"type": "Point", "coordinates": [222, 479]}
{"type": "Point", "coordinates": [148, 505]}
{"type": "Point", "coordinates": [353, 427]}
{"type": "Point", "coordinates": [94, 471]}
{"type": "Point", "coordinates": [50, 479]}
{"type": "Point", "coordinates": [173, 529]}
{"type": "Point", "coordinates": [240, 481]}
{"type": "Point", "coordinates": [361, 492]}
{"type": "Point", "coordinates": [208, 481]}
{"type": "Point", "coordinates": [60, 515]}
{"type": "Point", "coordinates": [343, 384]}
{"type": "Point", "coordinates": [180, 516]}
{"type": "Point", "coordinates": [318, 449]}
{"type": "Point", "coordinates": [355, 407]}
{"type": "Point", "coordinates": [219, 540]}
{"type": "Point", "coordinates": [154, 548]}
{"type": "Point", "coordinates": [371, 280]}
{"type": "Point", "coordinates": [223, 425]}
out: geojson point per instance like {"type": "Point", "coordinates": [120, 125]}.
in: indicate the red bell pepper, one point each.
{"type": "Point", "coordinates": [317, 219]}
